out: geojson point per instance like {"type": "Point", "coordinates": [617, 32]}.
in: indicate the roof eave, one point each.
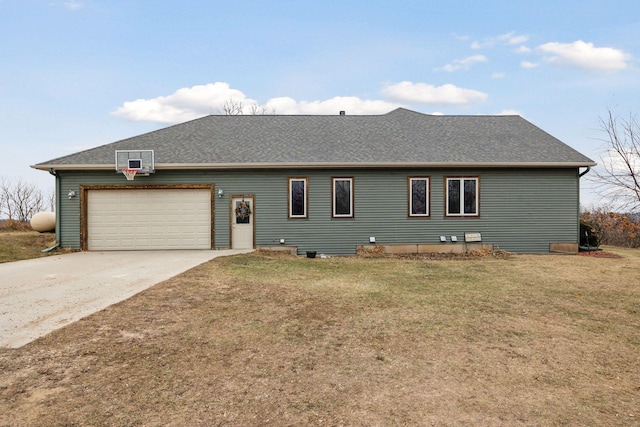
{"type": "Point", "coordinates": [326, 165]}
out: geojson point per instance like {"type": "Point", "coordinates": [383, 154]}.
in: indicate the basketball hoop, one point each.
{"type": "Point", "coordinates": [129, 173]}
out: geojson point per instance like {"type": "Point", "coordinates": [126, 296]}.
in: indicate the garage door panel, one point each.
{"type": "Point", "coordinates": [149, 219]}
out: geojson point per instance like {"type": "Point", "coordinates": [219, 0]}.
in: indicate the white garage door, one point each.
{"type": "Point", "coordinates": [149, 219]}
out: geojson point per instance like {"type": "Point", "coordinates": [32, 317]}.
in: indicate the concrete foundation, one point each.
{"type": "Point", "coordinates": [448, 248]}
{"type": "Point", "coordinates": [292, 250]}
{"type": "Point", "coordinates": [563, 248]}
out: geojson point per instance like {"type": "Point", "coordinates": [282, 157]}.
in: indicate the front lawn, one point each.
{"type": "Point", "coordinates": [266, 339]}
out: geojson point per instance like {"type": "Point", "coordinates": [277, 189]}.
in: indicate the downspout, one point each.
{"type": "Point", "coordinates": [580, 176]}
{"type": "Point", "coordinates": [57, 245]}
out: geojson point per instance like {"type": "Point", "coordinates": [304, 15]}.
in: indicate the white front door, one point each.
{"type": "Point", "coordinates": [242, 222]}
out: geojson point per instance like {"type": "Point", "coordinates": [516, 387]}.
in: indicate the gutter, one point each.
{"type": "Point", "coordinates": [325, 165]}
{"type": "Point", "coordinates": [57, 245]}
{"type": "Point", "coordinates": [585, 172]}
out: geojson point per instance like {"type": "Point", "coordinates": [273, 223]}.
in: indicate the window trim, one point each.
{"type": "Point", "coordinates": [304, 179]}
{"type": "Point", "coordinates": [410, 196]}
{"type": "Point", "coordinates": [461, 179]}
{"type": "Point", "coordinates": [333, 196]}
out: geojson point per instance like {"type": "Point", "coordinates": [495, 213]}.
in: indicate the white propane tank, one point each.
{"type": "Point", "coordinates": [43, 221]}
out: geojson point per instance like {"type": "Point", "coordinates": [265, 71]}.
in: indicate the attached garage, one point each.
{"type": "Point", "coordinates": [147, 218]}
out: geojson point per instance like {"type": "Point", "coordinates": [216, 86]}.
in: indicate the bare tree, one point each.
{"type": "Point", "coordinates": [618, 178]}
{"type": "Point", "coordinates": [261, 110]}
{"type": "Point", "coordinates": [19, 200]}
{"type": "Point", "coordinates": [233, 107]}
{"type": "Point", "coordinates": [51, 200]}
{"type": "Point", "coordinates": [5, 208]}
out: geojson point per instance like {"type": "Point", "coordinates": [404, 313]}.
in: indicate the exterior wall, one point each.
{"type": "Point", "coordinates": [523, 210]}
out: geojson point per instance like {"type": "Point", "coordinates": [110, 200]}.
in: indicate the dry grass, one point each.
{"type": "Point", "coordinates": [18, 245]}
{"type": "Point", "coordinates": [14, 225]}
{"type": "Point", "coordinates": [267, 339]}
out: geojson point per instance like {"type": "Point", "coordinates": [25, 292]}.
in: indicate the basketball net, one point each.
{"type": "Point", "coordinates": [129, 174]}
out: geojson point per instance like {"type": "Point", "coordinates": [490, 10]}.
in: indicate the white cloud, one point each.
{"type": "Point", "coordinates": [184, 104]}
{"type": "Point", "coordinates": [465, 63]}
{"type": "Point", "coordinates": [498, 75]}
{"type": "Point", "coordinates": [423, 93]}
{"type": "Point", "coordinates": [350, 104]}
{"type": "Point", "coordinates": [512, 38]}
{"type": "Point", "coordinates": [197, 101]}
{"type": "Point", "coordinates": [508, 113]}
{"type": "Point", "coordinates": [509, 38]}
{"type": "Point", "coordinates": [462, 38]}
{"type": "Point", "coordinates": [527, 64]}
{"type": "Point", "coordinates": [523, 49]}
{"type": "Point", "coordinates": [73, 5]}
{"type": "Point", "coordinates": [585, 55]}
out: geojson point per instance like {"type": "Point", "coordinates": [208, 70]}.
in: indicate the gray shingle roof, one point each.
{"type": "Point", "coordinates": [401, 137]}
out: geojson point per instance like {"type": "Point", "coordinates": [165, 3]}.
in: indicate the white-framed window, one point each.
{"type": "Point", "coordinates": [342, 200]}
{"type": "Point", "coordinates": [419, 196]}
{"type": "Point", "coordinates": [462, 196]}
{"type": "Point", "coordinates": [298, 197]}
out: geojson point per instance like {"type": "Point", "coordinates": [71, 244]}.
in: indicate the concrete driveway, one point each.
{"type": "Point", "coordinates": [40, 295]}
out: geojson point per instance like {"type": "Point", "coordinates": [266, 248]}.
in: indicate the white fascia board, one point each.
{"type": "Point", "coordinates": [317, 165]}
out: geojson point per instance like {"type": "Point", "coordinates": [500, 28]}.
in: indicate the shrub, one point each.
{"type": "Point", "coordinates": [613, 228]}
{"type": "Point", "coordinates": [588, 234]}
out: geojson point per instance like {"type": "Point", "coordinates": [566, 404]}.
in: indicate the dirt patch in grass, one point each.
{"type": "Point", "coordinates": [266, 339]}
{"type": "Point", "coordinates": [600, 254]}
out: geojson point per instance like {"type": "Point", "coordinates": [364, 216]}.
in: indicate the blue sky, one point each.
{"type": "Point", "coordinates": [81, 73]}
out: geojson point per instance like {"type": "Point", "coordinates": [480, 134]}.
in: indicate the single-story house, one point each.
{"type": "Point", "coordinates": [324, 183]}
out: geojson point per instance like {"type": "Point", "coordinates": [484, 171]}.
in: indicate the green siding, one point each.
{"type": "Point", "coordinates": [521, 210]}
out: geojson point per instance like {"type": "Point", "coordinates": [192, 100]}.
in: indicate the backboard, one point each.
{"type": "Point", "coordinates": [140, 160]}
